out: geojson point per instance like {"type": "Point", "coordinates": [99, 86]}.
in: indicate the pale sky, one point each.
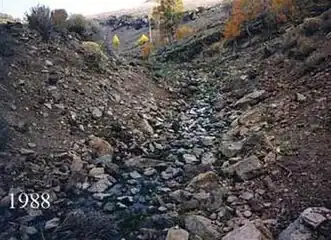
{"type": "Point", "coordinates": [17, 8]}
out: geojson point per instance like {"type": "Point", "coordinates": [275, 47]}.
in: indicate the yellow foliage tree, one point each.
{"type": "Point", "coordinates": [246, 10]}
{"type": "Point", "coordinates": [167, 15]}
{"type": "Point", "coordinates": [116, 42]}
{"type": "Point", "coordinates": [146, 50]}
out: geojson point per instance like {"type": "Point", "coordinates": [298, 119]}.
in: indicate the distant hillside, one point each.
{"type": "Point", "coordinates": [146, 7]}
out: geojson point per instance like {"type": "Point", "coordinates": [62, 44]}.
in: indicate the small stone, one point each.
{"type": "Point", "coordinates": [231, 199]}
{"type": "Point", "coordinates": [147, 127]}
{"type": "Point", "coordinates": [231, 149]}
{"type": "Point", "coordinates": [204, 180]}
{"type": "Point", "coordinates": [162, 209]}
{"type": "Point", "coordinates": [32, 145]}
{"type": "Point", "coordinates": [48, 63]}
{"type": "Point", "coordinates": [202, 227]}
{"type": "Point", "coordinates": [180, 195]}
{"type": "Point", "coordinates": [177, 234]}
{"type": "Point", "coordinates": [96, 113]}
{"type": "Point", "coordinates": [247, 213]}
{"type": "Point", "coordinates": [24, 151]}
{"type": "Point", "coordinates": [134, 191]}
{"type": "Point", "coordinates": [208, 141]}
{"type": "Point", "coordinates": [29, 230]}
{"type": "Point", "coordinates": [48, 105]}
{"type": "Point", "coordinates": [208, 158]}
{"type": "Point", "coordinates": [135, 175]}
{"type": "Point", "coordinates": [190, 159]}
{"type": "Point", "coordinates": [247, 195]}
{"type": "Point", "coordinates": [150, 171]}
{"type": "Point", "coordinates": [109, 207]}
{"type": "Point", "coordinates": [100, 186]}
{"type": "Point", "coordinates": [300, 97]}
{"type": "Point", "coordinates": [100, 196]}
{"type": "Point", "coordinates": [121, 205]}
{"type": "Point", "coordinates": [53, 223]}
{"type": "Point", "coordinates": [213, 216]}
{"type": "Point", "coordinates": [96, 171]}
{"type": "Point", "coordinates": [250, 98]}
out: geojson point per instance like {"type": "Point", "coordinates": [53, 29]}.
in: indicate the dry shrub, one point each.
{"type": "Point", "coordinates": [146, 50]}
{"type": "Point", "coordinates": [94, 55]}
{"type": "Point", "coordinates": [183, 31]}
{"type": "Point", "coordinates": [59, 17]}
{"type": "Point", "coordinates": [94, 49]}
{"type": "Point", "coordinates": [39, 19]}
{"type": "Point", "coordinates": [86, 28]}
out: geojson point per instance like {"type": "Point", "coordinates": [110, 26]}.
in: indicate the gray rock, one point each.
{"type": "Point", "coordinates": [246, 169]}
{"type": "Point", "coordinates": [170, 172]}
{"type": "Point", "coordinates": [208, 158]}
{"type": "Point", "coordinates": [53, 223]}
{"type": "Point", "coordinates": [147, 127]}
{"type": "Point", "coordinates": [96, 171]}
{"type": "Point", "coordinates": [180, 195]}
{"type": "Point", "coordinates": [250, 98]}
{"type": "Point", "coordinates": [202, 227]}
{"type": "Point", "coordinates": [29, 230]}
{"type": "Point", "coordinates": [300, 97]}
{"type": "Point", "coordinates": [230, 148]}
{"type": "Point", "coordinates": [190, 159]}
{"type": "Point", "coordinates": [208, 141]}
{"type": "Point", "coordinates": [205, 180]}
{"type": "Point", "coordinates": [101, 196]}
{"type": "Point", "coordinates": [314, 217]}
{"type": "Point", "coordinates": [306, 226]}
{"type": "Point", "coordinates": [135, 175]}
{"type": "Point", "coordinates": [177, 234]}
{"type": "Point", "coordinates": [150, 172]}
{"type": "Point", "coordinates": [48, 63]}
{"type": "Point", "coordinates": [25, 151]}
{"type": "Point", "coordinates": [248, 232]}
{"type": "Point", "coordinates": [100, 186]}
{"type": "Point", "coordinates": [109, 207]}
{"type": "Point", "coordinates": [247, 195]}
{"type": "Point", "coordinates": [142, 163]}
{"type": "Point", "coordinates": [96, 113]}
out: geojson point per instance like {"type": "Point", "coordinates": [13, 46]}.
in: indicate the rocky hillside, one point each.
{"type": "Point", "coordinates": [204, 142]}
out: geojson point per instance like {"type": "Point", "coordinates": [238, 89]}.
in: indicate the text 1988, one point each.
{"type": "Point", "coordinates": [33, 200]}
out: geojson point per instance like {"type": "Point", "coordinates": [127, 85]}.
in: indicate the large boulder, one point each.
{"type": "Point", "coordinates": [313, 223]}
{"type": "Point", "coordinates": [246, 169]}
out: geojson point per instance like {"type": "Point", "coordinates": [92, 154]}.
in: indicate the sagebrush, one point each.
{"type": "Point", "coordinates": [39, 19]}
{"type": "Point", "coordinates": [90, 30]}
